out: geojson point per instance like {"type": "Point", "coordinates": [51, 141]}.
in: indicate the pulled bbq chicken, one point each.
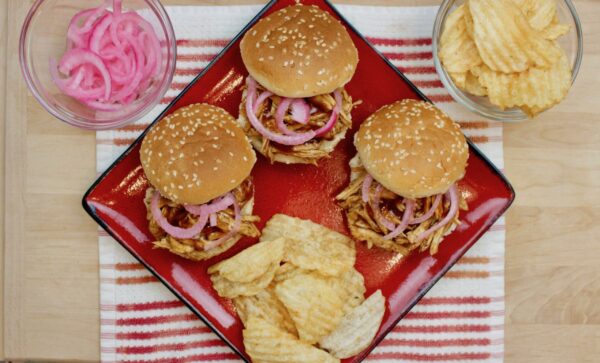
{"type": "Point", "coordinates": [311, 151]}
{"type": "Point", "coordinates": [194, 248]}
{"type": "Point", "coordinates": [364, 225]}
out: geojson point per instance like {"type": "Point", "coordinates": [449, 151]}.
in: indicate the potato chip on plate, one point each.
{"type": "Point", "coordinates": [265, 343]}
{"type": "Point", "coordinates": [232, 289]}
{"type": "Point", "coordinates": [285, 271]}
{"type": "Point", "coordinates": [350, 287]}
{"type": "Point", "coordinates": [356, 329]}
{"type": "Point", "coordinates": [312, 246]}
{"type": "Point", "coordinates": [267, 306]}
{"type": "Point", "coordinates": [251, 263]}
{"type": "Point", "coordinates": [314, 306]}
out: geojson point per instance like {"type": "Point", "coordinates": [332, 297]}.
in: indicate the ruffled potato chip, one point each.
{"type": "Point", "coordinates": [312, 246]}
{"type": "Point", "coordinates": [265, 343]}
{"type": "Point", "coordinates": [555, 31]}
{"type": "Point", "coordinates": [473, 86]}
{"type": "Point", "coordinates": [356, 329]}
{"type": "Point", "coordinates": [285, 271]}
{"type": "Point", "coordinates": [266, 306]}
{"type": "Point", "coordinates": [314, 306]}
{"type": "Point", "coordinates": [505, 40]}
{"type": "Point", "coordinates": [539, 13]}
{"type": "Point", "coordinates": [350, 287]}
{"type": "Point", "coordinates": [252, 262]}
{"type": "Point", "coordinates": [459, 79]}
{"type": "Point", "coordinates": [232, 289]}
{"type": "Point", "coordinates": [538, 89]}
{"type": "Point", "coordinates": [458, 52]}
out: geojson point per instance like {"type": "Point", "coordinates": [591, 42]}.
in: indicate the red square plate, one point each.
{"type": "Point", "coordinates": [115, 199]}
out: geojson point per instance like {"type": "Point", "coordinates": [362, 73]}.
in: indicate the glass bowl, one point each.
{"type": "Point", "coordinates": [44, 37]}
{"type": "Point", "coordinates": [572, 43]}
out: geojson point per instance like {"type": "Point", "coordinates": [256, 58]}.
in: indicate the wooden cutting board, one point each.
{"type": "Point", "coordinates": [50, 262]}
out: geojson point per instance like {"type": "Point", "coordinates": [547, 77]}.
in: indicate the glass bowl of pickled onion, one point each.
{"type": "Point", "coordinates": [98, 64]}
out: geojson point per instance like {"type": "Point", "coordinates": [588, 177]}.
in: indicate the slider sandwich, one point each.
{"type": "Point", "coordinates": [403, 194]}
{"type": "Point", "coordinates": [198, 162]}
{"type": "Point", "coordinates": [294, 106]}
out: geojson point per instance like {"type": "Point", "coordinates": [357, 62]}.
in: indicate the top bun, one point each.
{"type": "Point", "coordinates": [299, 51]}
{"type": "Point", "coordinates": [196, 154]}
{"type": "Point", "coordinates": [412, 148]}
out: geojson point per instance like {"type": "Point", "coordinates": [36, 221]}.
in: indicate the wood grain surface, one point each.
{"type": "Point", "coordinates": [50, 262]}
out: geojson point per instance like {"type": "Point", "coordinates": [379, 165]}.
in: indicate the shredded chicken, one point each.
{"type": "Point", "coordinates": [313, 150]}
{"type": "Point", "coordinates": [365, 227]}
{"type": "Point", "coordinates": [194, 248]}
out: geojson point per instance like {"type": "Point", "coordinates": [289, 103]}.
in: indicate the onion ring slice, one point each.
{"type": "Point", "coordinates": [235, 228]}
{"type": "Point", "coordinates": [430, 212]}
{"type": "Point", "coordinates": [451, 194]}
{"type": "Point", "coordinates": [260, 128]}
{"type": "Point", "coordinates": [409, 206]}
{"type": "Point", "coordinates": [177, 232]}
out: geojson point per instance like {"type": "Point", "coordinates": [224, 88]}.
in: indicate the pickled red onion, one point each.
{"type": "Point", "coordinates": [430, 212]}
{"type": "Point", "coordinates": [452, 194]}
{"type": "Point", "coordinates": [78, 57]}
{"type": "Point", "coordinates": [300, 111]}
{"type": "Point", "coordinates": [235, 228]}
{"type": "Point", "coordinates": [217, 205]}
{"type": "Point", "coordinates": [68, 86]}
{"type": "Point", "coordinates": [130, 87]}
{"type": "Point", "coordinates": [213, 219]}
{"type": "Point", "coordinates": [99, 32]}
{"type": "Point", "coordinates": [261, 98]}
{"type": "Point", "coordinates": [377, 211]}
{"type": "Point", "coordinates": [172, 230]}
{"type": "Point", "coordinates": [366, 185]}
{"type": "Point", "coordinates": [280, 117]}
{"type": "Point", "coordinates": [78, 35]}
{"type": "Point", "coordinates": [334, 114]}
{"type": "Point", "coordinates": [409, 206]}
{"type": "Point", "coordinates": [117, 6]}
{"type": "Point", "coordinates": [260, 128]}
{"type": "Point", "coordinates": [115, 52]}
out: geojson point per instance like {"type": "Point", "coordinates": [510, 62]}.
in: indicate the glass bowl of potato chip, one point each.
{"type": "Point", "coordinates": [507, 60]}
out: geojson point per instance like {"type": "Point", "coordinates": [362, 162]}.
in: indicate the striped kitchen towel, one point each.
{"type": "Point", "coordinates": [460, 320]}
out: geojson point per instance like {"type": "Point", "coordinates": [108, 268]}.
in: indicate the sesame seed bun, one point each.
{"type": "Point", "coordinates": [196, 154]}
{"type": "Point", "coordinates": [299, 51]}
{"type": "Point", "coordinates": [412, 148]}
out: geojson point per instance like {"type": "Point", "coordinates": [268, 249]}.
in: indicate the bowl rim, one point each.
{"type": "Point", "coordinates": [510, 115]}
{"type": "Point", "coordinates": [88, 124]}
